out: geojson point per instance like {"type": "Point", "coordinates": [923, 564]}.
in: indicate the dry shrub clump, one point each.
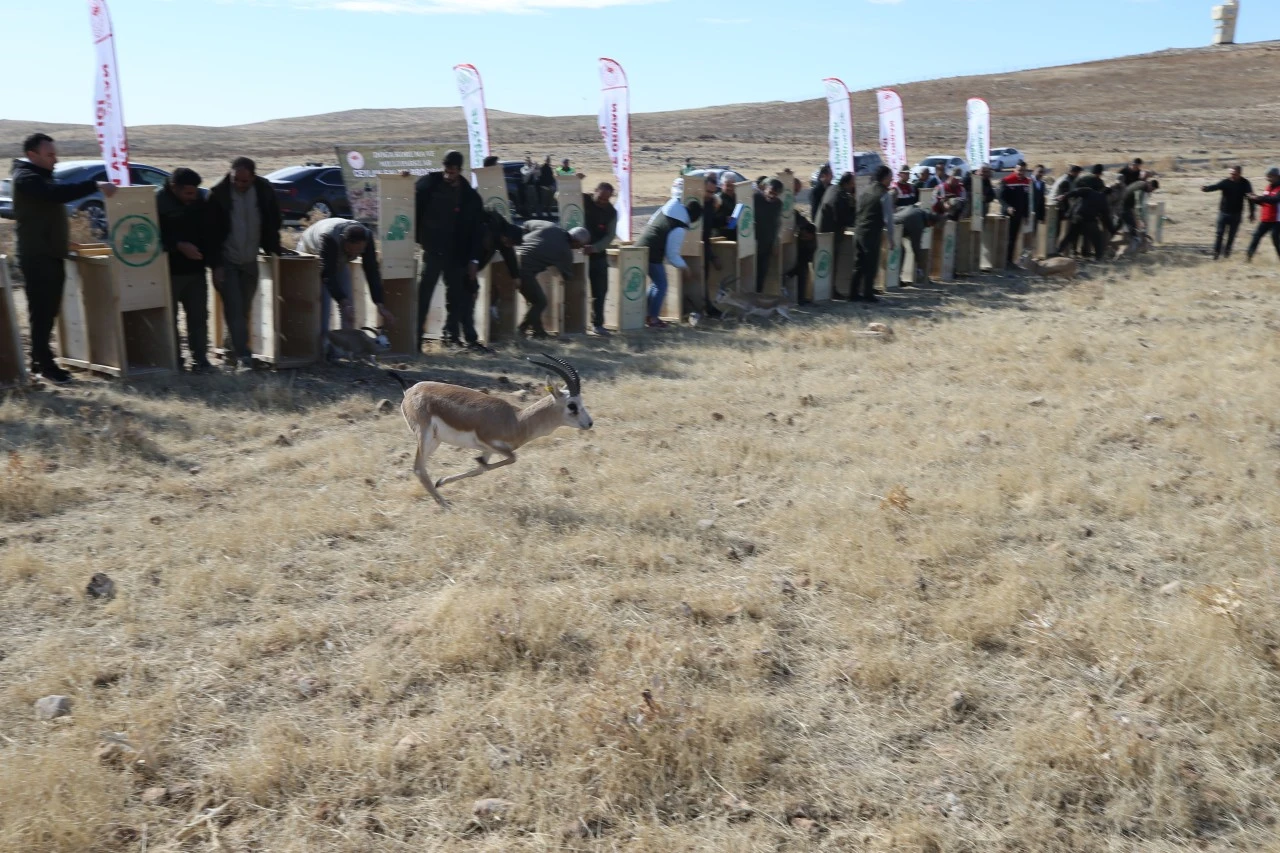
{"type": "Point", "coordinates": [1002, 582]}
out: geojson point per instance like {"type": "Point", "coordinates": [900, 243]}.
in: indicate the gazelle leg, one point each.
{"type": "Point", "coordinates": [483, 459]}
{"type": "Point", "coordinates": [427, 444]}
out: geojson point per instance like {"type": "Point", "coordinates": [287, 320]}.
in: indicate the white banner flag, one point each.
{"type": "Point", "coordinates": [471, 90]}
{"type": "Point", "coordinates": [615, 128]}
{"type": "Point", "coordinates": [893, 131]}
{"type": "Point", "coordinates": [108, 117]}
{"type": "Point", "coordinates": [979, 148]}
{"type": "Point", "coordinates": [839, 126]}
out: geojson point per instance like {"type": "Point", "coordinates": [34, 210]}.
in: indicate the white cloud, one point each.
{"type": "Point", "coordinates": [462, 7]}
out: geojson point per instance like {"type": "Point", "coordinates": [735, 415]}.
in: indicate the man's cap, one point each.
{"type": "Point", "coordinates": [1273, 172]}
{"type": "Point", "coordinates": [580, 234]}
{"type": "Point", "coordinates": [1075, 168]}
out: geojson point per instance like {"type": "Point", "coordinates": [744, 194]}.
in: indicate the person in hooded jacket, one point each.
{"type": "Point", "coordinates": [44, 237]}
{"type": "Point", "coordinates": [663, 237]}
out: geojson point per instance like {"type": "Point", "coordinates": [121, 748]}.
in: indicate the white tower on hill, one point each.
{"type": "Point", "coordinates": [1224, 22]}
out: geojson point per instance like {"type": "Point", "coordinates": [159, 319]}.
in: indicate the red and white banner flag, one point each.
{"type": "Point", "coordinates": [108, 116]}
{"type": "Point", "coordinates": [615, 127]}
{"type": "Point", "coordinates": [471, 90]}
{"type": "Point", "coordinates": [839, 126]}
{"type": "Point", "coordinates": [893, 130]}
{"type": "Point", "coordinates": [978, 149]}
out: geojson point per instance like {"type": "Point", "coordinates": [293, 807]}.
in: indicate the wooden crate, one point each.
{"type": "Point", "coordinates": [842, 278]}
{"type": "Point", "coordinates": [567, 310]}
{"type": "Point", "coordinates": [117, 311]}
{"type": "Point", "coordinates": [284, 320]}
{"type": "Point", "coordinates": [949, 250]}
{"type": "Point", "coordinates": [13, 367]}
{"type": "Point", "coordinates": [692, 246]}
{"type": "Point", "coordinates": [491, 183]}
{"type": "Point", "coordinates": [1047, 235]}
{"type": "Point", "coordinates": [823, 268]}
{"type": "Point", "coordinates": [891, 261]}
{"type": "Point", "coordinates": [1155, 221]}
{"type": "Point", "coordinates": [624, 305]}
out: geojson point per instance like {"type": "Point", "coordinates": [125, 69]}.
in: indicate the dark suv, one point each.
{"type": "Point", "coordinates": [311, 189]}
{"type": "Point", "coordinates": [511, 171]}
{"type": "Point", "coordinates": [73, 171]}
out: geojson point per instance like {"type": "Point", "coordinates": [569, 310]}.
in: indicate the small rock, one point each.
{"type": "Point", "coordinates": [706, 523]}
{"type": "Point", "coordinates": [742, 501]}
{"type": "Point", "coordinates": [1172, 588]}
{"type": "Point", "coordinates": [101, 586]}
{"type": "Point", "coordinates": [182, 792]}
{"type": "Point", "coordinates": [193, 470]}
{"type": "Point", "coordinates": [958, 705]}
{"type": "Point", "coordinates": [502, 380]}
{"type": "Point", "coordinates": [491, 808]}
{"type": "Point", "coordinates": [787, 587]}
{"type": "Point", "coordinates": [1038, 401]}
{"type": "Point", "coordinates": [716, 416]}
{"type": "Point", "coordinates": [52, 707]}
{"type": "Point", "coordinates": [954, 808]}
{"type": "Point", "coordinates": [385, 407]}
{"type": "Point", "coordinates": [806, 825]}
{"type": "Point", "coordinates": [157, 520]}
{"type": "Point", "coordinates": [308, 686]}
{"type": "Point", "coordinates": [406, 748]}
{"type": "Point", "coordinates": [283, 440]}
{"type": "Point", "coordinates": [154, 796]}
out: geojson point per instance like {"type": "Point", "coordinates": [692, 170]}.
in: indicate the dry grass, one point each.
{"type": "Point", "coordinates": [1004, 583]}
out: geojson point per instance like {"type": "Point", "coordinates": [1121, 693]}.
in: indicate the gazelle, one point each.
{"type": "Point", "coordinates": [439, 413]}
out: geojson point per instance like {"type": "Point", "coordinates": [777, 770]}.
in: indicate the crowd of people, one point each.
{"type": "Point", "coordinates": [219, 236]}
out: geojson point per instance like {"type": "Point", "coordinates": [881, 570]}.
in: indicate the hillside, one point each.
{"type": "Point", "coordinates": [1175, 101]}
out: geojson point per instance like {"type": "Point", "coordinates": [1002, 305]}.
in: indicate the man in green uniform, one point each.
{"type": "Point", "coordinates": [874, 213]}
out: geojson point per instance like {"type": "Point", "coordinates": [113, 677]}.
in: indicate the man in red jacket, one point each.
{"type": "Point", "coordinates": [1015, 195]}
{"type": "Point", "coordinates": [1267, 220]}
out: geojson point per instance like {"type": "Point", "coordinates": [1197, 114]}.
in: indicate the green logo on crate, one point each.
{"type": "Point", "coordinates": [895, 259]}
{"type": "Point", "coordinates": [949, 245]}
{"type": "Point", "coordinates": [788, 205]}
{"type": "Point", "coordinates": [399, 229]}
{"type": "Point", "coordinates": [572, 216]}
{"type": "Point", "coordinates": [135, 240]}
{"type": "Point", "coordinates": [498, 204]}
{"type": "Point", "coordinates": [633, 289]}
{"type": "Point", "coordinates": [747, 223]}
{"type": "Point", "coordinates": [822, 266]}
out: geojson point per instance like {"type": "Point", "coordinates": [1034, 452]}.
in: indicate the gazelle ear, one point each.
{"type": "Point", "coordinates": [551, 389]}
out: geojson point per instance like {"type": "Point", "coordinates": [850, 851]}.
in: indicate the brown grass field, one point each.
{"type": "Point", "coordinates": [1005, 582]}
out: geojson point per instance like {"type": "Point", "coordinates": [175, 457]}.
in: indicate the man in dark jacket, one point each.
{"type": "Point", "coordinates": [39, 205]}
{"type": "Point", "coordinates": [450, 225]}
{"type": "Point", "coordinates": [874, 214]}
{"type": "Point", "coordinates": [1090, 218]}
{"type": "Point", "coordinates": [601, 219]}
{"type": "Point", "coordinates": [988, 189]}
{"type": "Point", "coordinates": [825, 178]}
{"type": "Point", "coordinates": [545, 246]}
{"type": "Point", "coordinates": [1235, 189]}
{"type": "Point", "coordinates": [835, 215]}
{"type": "Point", "coordinates": [1132, 173]}
{"type": "Point", "coordinates": [546, 187]}
{"type": "Point", "coordinates": [338, 242]}
{"type": "Point", "coordinates": [244, 217]}
{"type": "Point", "coordinates": [1129, 211]}
{"type": "Point", "coordinates": [184, 233]}
{"type": "Point", "coordinates": [768, 211]}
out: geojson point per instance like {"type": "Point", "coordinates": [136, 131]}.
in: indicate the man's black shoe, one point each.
{"type": "Point", "coordinates": [56, 375]}
{"type": "Point", "coordinates": [477, 347]}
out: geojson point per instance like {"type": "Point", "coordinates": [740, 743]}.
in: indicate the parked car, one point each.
{"type": "Point", "coordinates": [718, 172]}
{"type": "Point", "coordinates": [511, 172]}
{"type": "Point", "coordinates": [73, 171]}
{"type": "Point", "coordinates": [1005, 158]}
{"type": "Point", "coordinates": [951, 161]}
{"type": "Point", "coordinates": [311, 190]}
{"type": "Point", "coordinates": [865, 164]}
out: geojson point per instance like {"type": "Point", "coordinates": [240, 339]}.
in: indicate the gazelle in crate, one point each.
{"type": "Point", "coordinates": [439, 413]}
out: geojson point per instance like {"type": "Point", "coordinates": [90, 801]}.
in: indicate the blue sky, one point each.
{"type": "Point", "coordinates": [222, 62]}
